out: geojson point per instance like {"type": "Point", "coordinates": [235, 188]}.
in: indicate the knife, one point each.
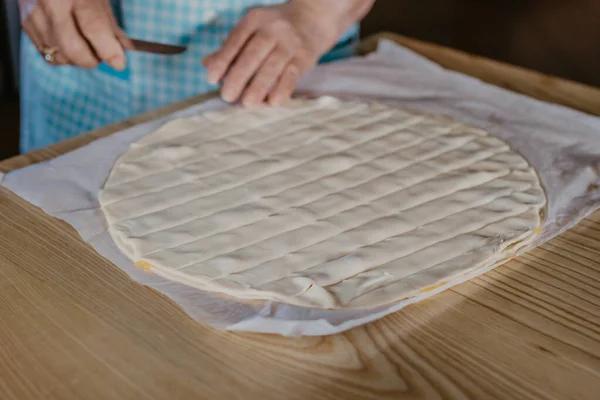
{"type": "Point", "coordinates": [154, 47]}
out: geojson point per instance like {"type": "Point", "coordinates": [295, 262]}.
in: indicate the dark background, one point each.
{"type": "Point", "coordinates": [559, 37]}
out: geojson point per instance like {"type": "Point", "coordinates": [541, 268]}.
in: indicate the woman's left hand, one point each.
{"type": "Point", "coordinates": [272, 47]}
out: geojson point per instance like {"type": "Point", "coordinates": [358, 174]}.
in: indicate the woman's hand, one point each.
{"type": "Point", "coordinates": [76, 32]}
{"type": "Point", "coordinates": [272, 47]}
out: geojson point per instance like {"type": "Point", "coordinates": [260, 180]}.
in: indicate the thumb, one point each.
{"type": "Point", "coordinates": [96, 24]}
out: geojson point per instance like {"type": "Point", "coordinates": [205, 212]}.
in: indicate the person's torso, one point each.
{"type": "Point", "coordinates": [70, 100]}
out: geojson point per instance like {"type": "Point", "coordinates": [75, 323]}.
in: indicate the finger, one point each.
{"type": "Point", "coordinates": [286, 85]}
{"type": "Point", "coordinates": [222, 59]}
{"type": "Point", "coordinates": [64, 35]}
{"type": "Point", "coordinates": [122, 37]}
{"type": "Point", "coordinates": [266, 77]}
{"type": "Point", "coordinates": [246, 65]}
{"type": "Point", "coordinates": [96, 25]}
{"type": "Point", "coordinates": [32, 33]}
{"type": "Point", "coordinates": [67, 37]}
{"type": "Point", "coordinates": [75, 47]}
{"type": "Point", "coordinates": [40, 28]}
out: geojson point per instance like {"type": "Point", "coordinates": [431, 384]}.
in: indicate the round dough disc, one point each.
{"type": "Point", "coordinates": [322, 203]}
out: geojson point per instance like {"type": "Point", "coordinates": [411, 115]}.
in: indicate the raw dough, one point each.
{"type": "Point", "coordinates": [322, 203]}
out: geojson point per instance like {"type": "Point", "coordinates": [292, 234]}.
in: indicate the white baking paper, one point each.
{"type": "Point", "coordinates": [562, 144]}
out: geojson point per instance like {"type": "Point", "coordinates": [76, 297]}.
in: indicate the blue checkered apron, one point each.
{"type": "Point", "coordinates": [62, 102]}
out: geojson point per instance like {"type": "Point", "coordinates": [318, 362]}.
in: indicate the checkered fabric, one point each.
{"type": "Point", "coordinates": [62, 102]}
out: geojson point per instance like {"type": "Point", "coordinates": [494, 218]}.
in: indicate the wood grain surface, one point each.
{"type": "Point", "coordinates": [73, 326]}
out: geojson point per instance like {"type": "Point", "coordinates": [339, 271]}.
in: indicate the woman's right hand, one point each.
{"type": "Point", "coordinates": [75, 32]}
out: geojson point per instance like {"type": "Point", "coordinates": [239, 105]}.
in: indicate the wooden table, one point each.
{"type": "Point", "coordinates": [73, 326]}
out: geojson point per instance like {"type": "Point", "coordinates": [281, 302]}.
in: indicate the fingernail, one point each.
{"type": "Point", "coordinates": [250, 102]}
{"type": "Point", "coordinates": [275, 101]}
{"type": "Point", "coordinates": [213, 77]}
{"type": "Point", "coordinates": [117, 63]}
{"type": "Point", "coordinates": [227, 96]}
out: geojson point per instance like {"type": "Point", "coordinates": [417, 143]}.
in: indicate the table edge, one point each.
{"type": "Point", "coordinates": [534, 84]}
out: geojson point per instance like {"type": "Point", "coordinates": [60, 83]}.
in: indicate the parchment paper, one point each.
{"type": "Point", "coordinates": [563, 145]}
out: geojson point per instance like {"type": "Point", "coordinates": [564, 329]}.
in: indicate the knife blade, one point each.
{"type": "Point", "coordinates": [154, 47]}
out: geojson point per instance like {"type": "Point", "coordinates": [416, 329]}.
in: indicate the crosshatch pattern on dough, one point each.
{"type": "Point", "coordinates": [322, 203]}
